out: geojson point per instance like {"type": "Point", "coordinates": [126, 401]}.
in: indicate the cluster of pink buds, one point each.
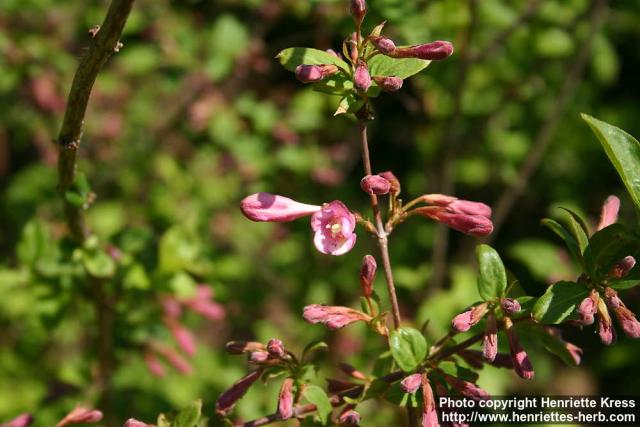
{"type": "Point", "coordinates": [473, 218]}
{"type": "Point", "coordinates": [80, 415]}
{"type": "Point", "coordinates": [172, 307]}
{"type": "Point", "coordinates": [601, 300]}
{"type": "Point", "coordinates": [332, 223]}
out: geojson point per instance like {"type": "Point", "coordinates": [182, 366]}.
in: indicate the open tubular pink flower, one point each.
{"type": "Point", "coordinates": [334, 317]}
{"type": "Point", "coordinates": [266, 207]}
{"type": "Point", "coordinates": [333, 226]}
{"type": "Point", "coordinates": [609, 214]}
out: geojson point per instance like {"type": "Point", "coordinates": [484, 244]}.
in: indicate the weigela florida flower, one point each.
{"type": "Point", "coordinates": [332, 223]}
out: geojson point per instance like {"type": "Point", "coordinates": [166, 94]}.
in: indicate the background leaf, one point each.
{"type": "Point", "coordinates": [318, 397]}
{"type": "Point", "coordinates": [492, 277]}
{"type": "Point", "coordinates": [381, 65]}
{"type": "Point", "coordinates": [559, 302]}
{"type": "Point", "coordinates": [408, 347]}
{"type": "Point", "coordinates": [292, 57]}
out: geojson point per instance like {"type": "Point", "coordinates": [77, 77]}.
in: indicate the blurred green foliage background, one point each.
{"type": "Point", "coordinates": [194, 113]}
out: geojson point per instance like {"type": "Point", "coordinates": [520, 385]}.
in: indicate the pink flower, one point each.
{"type": "Point", "coordinates": [367, 275]}
{"type": "Point", "coordinates": [154, 365]}
{"type": "Point", "coordinates": [434, 51]}
{"type": "Point", "coordinates": [349, 417]}
{"type": "Point", "coordinates": [388, 84]}
{"type": "Point", "coordinates": [333, 226]}
{"type": "Point", "coordinates": [472, 218]}
{"type": "Point", "coordinates": [395, 182]}
{"type": "Point", "coordinates": [587, 309]}
{"type": "Point", "coordinates": [285, 400]}
{"type": "Point", "coordinates": [227, 400]}
{"type": "Point", "coordinates": [510, 306]}
{"type": "Point", "coordinates": [467, 389]}
{"type": "Point", "coordinates": [519, 357]}
{"type": "Point", "coordinates": [202, 304]}
{"type": "Point", "coordinates": [273, 208]}
{"type": "Point", "coordinates": [429, 414]}
{"type": "Point", "coordinates": [314, 73]}
{"type": "Point", "coordinates": [490, 341]}
{"type": "Point", "coordinates": [605, 325]}
{"type": "Point", "coordinates": [361, 77]}
{"type": "Point", "coordinates": [574, 351]}
{"type": "Point", "coordinates": [411, 383]}
{"type": "Point", "coordinates": [22, 420]}
{"type": "Point", "coordinates": [625, 317]}
{"type": "Point", "coordinates": [622, 268]}
{"type": "Point", "coordinates": [131, 422]}
{"type": "Point", "coordinates": [609, 214]}
{"type": "Point", "coordinates": [276, 348]}
{"type": "Point", "coordinates": [464, 321]}
{"type": "Point", "coordinates": [174, 359]}
{"type": "Point", "coordinates": [258, 356]}
{"type": "Point", "coordinates": [183, 337]}
{"type": "Point", "coordinates": [375, 184]}
{"type": "Point", "coordinates": [334, 317]}
{"type": "Point", "coordinates": [80, 415]}
{"type": "Point", "coordinates": [358, 9]}
{"type": "Point", "coordinates": [385, 45]}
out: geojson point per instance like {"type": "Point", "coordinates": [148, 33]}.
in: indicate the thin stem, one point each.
{"type": "Point", "coordinates": [381, 233]}
{"type": "Point", "coordinates": [448, 351]}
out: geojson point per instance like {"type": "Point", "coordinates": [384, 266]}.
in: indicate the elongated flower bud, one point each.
{"type": "Point", "coordinates": [80, 415]}
{"type": "Point", "coordinates": [314, 73]}
{"type": "Point", "coordinates": [154, 365]}
{"type": "Point", "coordinates": [519, 357]}
{"type": "Point", "coordinates": [273, 208]}
{"type": "Point", "coordinates": [625, 317]}
{"type": "Point", "coordinates": [258, 356]}
{"type": "Point", "coordinates": [622, 268]}
{"type": "Point", "coordinates": [367, 275]}
{"type": "Point", "coordinates": [385, 45]}
{"type": "Point", "coordinates": [22, 420]}
{"type": "Point", "coordinates": [434, 51]}
{"type": "Point", "coordinates": [587, 308]}
{"type": "Point", "coordinates": [239, 347]}
{"type": "Point", "coordinates": [388, 84]}
{"type": "Point", "coordinates": [285, 400]}
{"type": "Point", "coordinates": [334, 317]}
{"type": "Point", "coordinates": [473, 225]}
{"type": "Point", "coordinates": [412, 383]}
{"type": "Point", "coordinates": [131, 422]}
{"type": "Point", "coordinates": [490, 341]}
{"type": "Point", "coordinates": [605, 325]}
{"type": "Point", "coordinates": [228, 399]}
{"type": "Point", "coordinates": [464, 321]}
{"type": "Point", "coordinates": [429, 414]}
{"type": "Point", "coordinates": [275, 348]}
{"type": "Point", "coordinates": [361, 77]}
{"type": "Point", "coordinates": [349, 417]}
{"type": "Point", "coordinates": [609, 214]}
{"type": "Point", "coordinates": [510, 306]}
{"type": "Point", "coordinates": [467, 389]}
{"type": "Point", "coordinates": [183, 337]}
{"type": "Point", "coordinates": [395, 183]}
{"type": "Point", "coordinates": [174, 359]}
{"type": "Point", "coordinates": [375, 184]}
{"type": "Point", "coordinates": [358, 9]}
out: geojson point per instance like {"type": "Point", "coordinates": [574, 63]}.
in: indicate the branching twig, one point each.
{"type": "Point", "coordinates": [545, 134]}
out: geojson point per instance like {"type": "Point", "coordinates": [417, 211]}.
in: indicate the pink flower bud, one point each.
{"type": "Point", "coordinates": [467, 389]}
{"type": "Point", "coordinates": [385, 45]}
{"type": "Point", "coordinates": [625, 317]}
{"type": "Point", "coordinates": [274, 208]}
{"type": "Point", "coordinates": [490, 341]}
{"type": "Point", "coordinates": [22, 420]}
{"type": "Point", "coordinates": [80, 415]}
{"type": "Point", "coordinates": [622, 268]}
{"type": "Point", "coordinates": [334, 317]}
{"type": "Point", "coordinates": [239, 347]}
{"type": "Point", "coordinates": [510, 306]}
{"type": "Point", "coordinates": [171, 307]}
{"type": "Point", "coordinates": [285, 400]}
{"type": "Point", "coordinates": [258, 356]}
{"type": "Point", "coordinates": [411, 383]}
{"type": "Point", "coordinates": [395, 183]}
{"type": "Point", "coordinates": [358, 9]}
{"type": "Point", "coordinates": [131, 422]}
{"type": "Point", "coordinates": [367, 275]}
{"type": "Point", "coordinates": [474, 225]}
{"type": "Point", "coordinates": [464, 321]}
{"type": "Point", "coordinates": [154, 365]}
{"type": "Point", "coordinates": [276, 348]}
{"type": "Point", "coordinates": [202, 304]}
{"type": "Point", "coordinates": [375, 184]}
{"type": "Point", "coordinates": [519, 357]}
{"type": "Point", "coordinates": [587, 309]}
{"type": "Point", "coordinates": [174, 359]}
{"type": "Point", "coordinates": [361, 77]}
{"type": "Point", "coordinates": [605, 325]}
{"type": "Point", "coordinates": [431, 51]}
{"type": "Point", "coordinates": [429, 414]}
{"type": "Point", "coordinates": [349, 417]}
{"type": "Point", "coordinates": [333, 227]}
{"type": "Point", "coordinates": [228, 399]}
{"type": "Point", "coordinates": [388, 84]}
{"type": "Point", "coordinates": [183, 337]}
{"type": "Point", "coordinates": [609, 214]}
{"type": "Point", "coordinates": [314, 73]}
{"type": "Point", "coordinates": [574, 351]}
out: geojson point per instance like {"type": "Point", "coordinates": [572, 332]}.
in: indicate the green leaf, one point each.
{"type": "Point", "coordinates": [163, 421]}
{"type": "Point", "coordinates": [312, 347]}
{"type": "Point", "coordinates": [623, 151]}
{"type": "Point", "coordinates": [35, 243]}
{"type": "Point", "coordinates": [568, 239]}
{"type": "Point", "coordinates": [408, 347]}
{"type": "Point", "coordinates": [550, 342]}
{"type": "Point", "coordinates": [455, 370]}
{"type": "Point", "coordinates": [337, 84]}
{"type": "Point", "coordinates": [189, 416]}
{"type": "Point", "coordinates": [607, 247]}
{"type": "Point", "coordinates": [349, 104]}
{"type": "Point", "coordinates": [621, 285]}
{"type": "Point", "coordinates": [292, 57]}
{"type": "Point", "coordinates": [559, 302]}
{"type": "Point", "coordinates": [579, 229]}
{"type": "Point", "coordinates": [318, 397]}
{"type": "Point", "coordinates": [492, 278]}
{"type": "Point", "coordinates": [381, 65]}
{"type": "Point", "coordinates": [98, 263]}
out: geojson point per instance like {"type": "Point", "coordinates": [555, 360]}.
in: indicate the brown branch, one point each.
{"type": "Point", "coordinates": [546, 132]}
{"type": "Point", "coordinates": [102, 47]}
